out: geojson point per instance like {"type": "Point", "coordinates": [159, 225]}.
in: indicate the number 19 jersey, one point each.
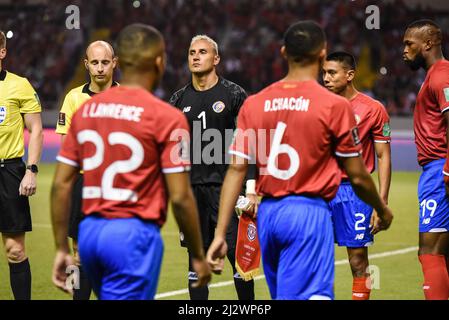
{"type": "Point", "coordinates": [125, 139]}
{"type": "Point", "coordinates": [295, 131]}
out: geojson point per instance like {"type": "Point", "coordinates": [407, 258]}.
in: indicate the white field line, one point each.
{"type": "Point", "coordinates": [337, 263]}
{"type": "Point", "coordinates": [229, 283]}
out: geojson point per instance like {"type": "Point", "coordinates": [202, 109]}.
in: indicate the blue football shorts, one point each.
{"type": "Point", "coordinates": [297, 245]}
{"type": "Point", "coordinates": [122, 257]}
{"type": "Point", "coordinates": [351, 218]}
{"type": "Point", "coordinates": [433, 201]}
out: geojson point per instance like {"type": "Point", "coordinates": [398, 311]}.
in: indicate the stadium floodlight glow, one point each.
{"type": "Point", "coordinates": [136, 4]}
{"type": "Point", "coordinates": [9, 34]}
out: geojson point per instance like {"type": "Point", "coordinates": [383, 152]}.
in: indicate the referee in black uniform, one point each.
{"type": "Point", "coordinates": [19, 108]}
{"type": "Point", "coordinates": [211, 104]}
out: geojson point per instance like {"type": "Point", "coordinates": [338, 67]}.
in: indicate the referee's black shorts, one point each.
{"type": "Point", "coordinates": [207, 200]}
{"type": "Point", "coordinates": [76, 214]}
{"type": "Point", "coordinates": [15, 214]}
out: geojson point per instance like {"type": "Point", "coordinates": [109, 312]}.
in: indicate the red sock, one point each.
{"type": "Point", "coordinates": [436, 278]}
{"type": "Point", "coordinates": [447, 265]}
{"type": "Point", "coordinates": [361, 288]}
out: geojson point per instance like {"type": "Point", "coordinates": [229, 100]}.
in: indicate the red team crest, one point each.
{"type": "Point", "coordinates": [247, 252]}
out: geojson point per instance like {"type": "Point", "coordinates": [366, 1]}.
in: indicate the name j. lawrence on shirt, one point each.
{"type": "Point", "coordinates": [112, 110]}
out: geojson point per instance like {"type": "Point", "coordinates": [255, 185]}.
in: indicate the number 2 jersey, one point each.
{"type": "Point", "coordinates": [309, 127]}
{"type": "Point", "coordinates": [125, 140]}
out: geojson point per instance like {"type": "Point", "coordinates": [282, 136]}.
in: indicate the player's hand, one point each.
{"type": "Point", "coordinates": [254, 204]}
{"type": "Point", "coordinates": [384, 220]}
{"type": "Point", "coordinates": [202, 269]}
{"type": "Point", "coordinates": [216, 253]}
{"type": "Point", "coordinates": [28, 184]}
{"type": "Point", "coordinates": [59, 277]}
{"type": "Point", "coordinates": [374, 222]}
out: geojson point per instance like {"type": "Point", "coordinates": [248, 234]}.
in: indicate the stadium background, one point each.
{"type": "Point", "coordinates": [249, 34]}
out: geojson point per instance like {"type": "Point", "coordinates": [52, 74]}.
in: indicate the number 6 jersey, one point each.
{"type": "Point", "coordinates": [295, 131]}
{"type": "Point", "coordinates": [125, 139]}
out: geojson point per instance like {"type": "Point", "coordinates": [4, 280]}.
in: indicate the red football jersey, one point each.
{"type": "Point", "coordinates": [125, 139]}
{"type": "Point", "coordinates": [294, 131]}
{"type": "Point", "coordinates": [374, 126]}
{"type": "Point", "coordinates": [429, 124]}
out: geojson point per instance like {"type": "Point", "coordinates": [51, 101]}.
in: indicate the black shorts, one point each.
{"type": "Point", "coordinates": [15, 214]}
{"type": "Point", "coordinates": [207, 199]}
{"type": "Point", "coordinates": [76, 214]}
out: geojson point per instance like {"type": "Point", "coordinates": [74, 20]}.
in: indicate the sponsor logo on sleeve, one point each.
{"type": "Point", "coordinates": [386, 131]}
{"type": "Point", "coordinates": [61, 119]}
{"type": "Point", "coordinates": [2, 113]}
{"type": "Point", "coordinates": [355, 135]}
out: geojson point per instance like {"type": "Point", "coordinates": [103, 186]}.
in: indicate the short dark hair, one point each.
{"type": "Point", "coordinates": [343, 57]}
{"type": "Point", "coordinates": [137, 46]}
{"type": "Point", "coordinates": [2, 40]}
{"type": "Point", "coordinates": [434, 32]}
{"type": "Point", "coordinates": [303, 41]}
{"type": "Point", "coordinates": [423, 23]}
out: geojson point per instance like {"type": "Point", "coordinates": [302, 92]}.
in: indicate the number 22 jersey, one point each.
{"type": "Point", "coordinates": [125, 140]}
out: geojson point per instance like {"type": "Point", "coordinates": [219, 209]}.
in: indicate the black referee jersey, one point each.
{"type": "Point", "coordinates": [210, 113]}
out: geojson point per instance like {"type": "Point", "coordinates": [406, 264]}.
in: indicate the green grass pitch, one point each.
{"type": "Point", "coordinates": [399, 271]}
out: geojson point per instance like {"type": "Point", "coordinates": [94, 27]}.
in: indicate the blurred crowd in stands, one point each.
{"type": "Point", "coordinates": [249, 34]}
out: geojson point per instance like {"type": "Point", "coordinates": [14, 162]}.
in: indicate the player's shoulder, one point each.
{"type": "Point", "coordinates": [76, 91]}
{"type": "Point", "coordinates": [13, 77]}
{"type": "Point", "coordinates": [165, 108]}
{"type": "Point", "coordinates": [440, 72]}
{"type": "Point", "coordinates": [175, 97]}
{"type": "Point", "coordinates": [442, 66]}
{"type": "Point", "coordinates": [369, 101]}
{"type": "Point", "coordinates": [233, 88]}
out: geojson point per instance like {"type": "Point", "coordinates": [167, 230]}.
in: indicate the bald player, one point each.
{"type": "Point", "coordinates": [123, 140]}
{"type": "Point", "coordinates": [100, 62]}
{"type": "Point", "coordinates": [422, 49]}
